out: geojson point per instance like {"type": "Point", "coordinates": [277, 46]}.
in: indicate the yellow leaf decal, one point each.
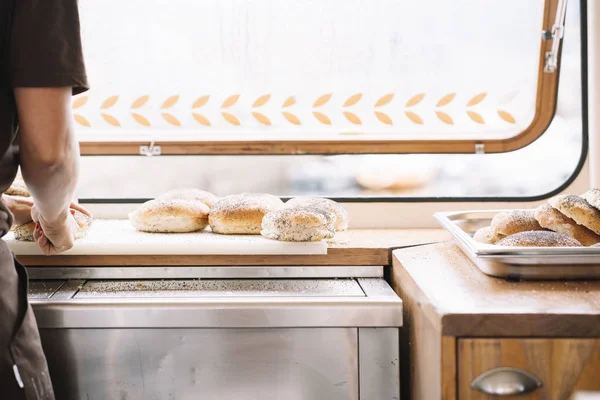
{"type": "Point", "coordinates": [169, 102]}
{"type": "Point", "coordinates": [506, 116]}
{"type": "Point", "coordinates": [201, 119]}
{"type": "Point", "coordinates": [352, 118]}
{"type": "Point", "coordinates": [81, 120]}
{"type": "Point", "coordinates": [322, 100]}
{"type": "Point", "coordinates": [171, 119]}
{"type": "Point", "coordinates": [414, 117]}
{"type": "Point", "coordinates": [444, 117]}
{"type": "Point", "coordinates": [261, 118]}
{"type": "Point", "coordinates": [384, 100]}
{"type": "Point", "coordinates": [79, 102]}
{"type": "Point", "coordinates": [445, 100]}
{"type": "Point", "coordinates": [289, 102]}
{"type": "Point", "coordinates": [322, 118]}
{"type": "Point", "coordinates": [291, 118]}
{"type": "Point", "coordinates": [476, 99]}
{"type": "Point", "coordinates": [231, 119]}
{"type": "Point", "coordinates": [201, 101]}
{"type": "Point", "coordinates": [110, 119]}
{"type": "Point", "coordinates": [475, 117]}
{"type": "Point", "coordinates": [261, 101]}
{"type": "Point", "coordinates": [140, 119]}
{"type": "Point", "coordinates": [231, 100]}
{"type": "Point", "coordinates": [108, 103]}
{"type": "Point", "coordinates": [353, 100]}
{"type": "Point", "coordinates": [383, 118]}
{"type": "Point", "coordinates": [140, 101]}
{"type": "Point", "coordinates": [415, 100]}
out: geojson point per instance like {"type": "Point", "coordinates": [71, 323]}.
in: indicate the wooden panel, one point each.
{"type": "Point", "coordinates": [466, 302]}
{"type": "Point", "coordinates": [565, 366]}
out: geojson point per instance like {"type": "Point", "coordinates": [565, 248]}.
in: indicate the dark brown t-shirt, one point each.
{"type": "Point", "coordinates": [40, 46]}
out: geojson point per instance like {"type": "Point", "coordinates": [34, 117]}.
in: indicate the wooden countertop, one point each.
{"type": "Point", "coordinates": [460, 300]}
{"type": "Point", "coordinates": [355, 247]}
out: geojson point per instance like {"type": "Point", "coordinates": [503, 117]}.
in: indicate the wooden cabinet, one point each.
{"type": "Point", "coordinates": [460, 323]}
{"type": "Point", "coordinates": [563, 366]}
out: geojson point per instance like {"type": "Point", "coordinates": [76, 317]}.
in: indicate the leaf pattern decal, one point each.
{"type": "Point", "coordinates": [352, 100]}
{"type": "Point", "coordinates": [171, 119]}
{"type": "Point", "coordinates": [507, 117]}
{"type": "Point", "coordinates": [140, 101]}
{"type": "Point", "coordinates": [201, 119]}
{"type": "Point", "coordinates": [290, 101]}
{"type": "Point", "coordinates": [111, 120]}
{"type": "Point", "coordinates": [291, 118]}
{"type": "Point", "coordinates": [384, 100]}
{"type": "Point", "coordinates": [444, 117]}
{"type": "Point", "coordinates": [261, 118]}
{"type": "Point", "coordinates": [322, 100]}
{"type": "Point", "coordinates": [232, 119]}
{"type": "Point", "coordinates": [169, 102]}
{"type": "Point", "coordinates": [79, 102]}
{"type": "Point", "coordinates": [231, 100]}
{"type": "Point", "coordinates": [322, 118]}
{"type": "Point", "coordinates": [140, 119]}
{"type": "Point", "coordinates": [414, 117]}
{"type": "Point", "coordinates": [109, 102]}
{"type": "Point", "coordinates": [261, 101]}
{"type": "Point", "coordinates": [475, 117]}
{"type": "Point", "coordinates": [200, 101]}
{"type": "Point", "coordinates": [476, 99]}
{"type": "Point", "coordinates": [383, 118]}
{"type": "Point", "coordinates": [81, 120]}
{"type": "Point", "coordinates": [352, 118]}
{"type": "Point", "coordinates": [413, 101]}
{"type": "Point", "coordinates": [444, 101]}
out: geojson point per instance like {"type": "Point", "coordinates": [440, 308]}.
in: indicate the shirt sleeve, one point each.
{"type": "Point", "coordinates": [45, 48]}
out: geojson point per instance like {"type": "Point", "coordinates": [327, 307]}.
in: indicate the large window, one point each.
{"type": "Point", "coordinates": [228, 82]}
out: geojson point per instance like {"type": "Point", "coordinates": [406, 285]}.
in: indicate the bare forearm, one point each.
{"type": "Point", "coordinates": [49, 153]}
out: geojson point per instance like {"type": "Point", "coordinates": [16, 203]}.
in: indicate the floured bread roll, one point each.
{"type": "Point", "coordinates": [18, 188]}
{"type": "Point", "coordinates": [579, 210]}
{"type": "Point", "coordinates": [190, 194]}
{"type": "Point", "coordinates": [170, 216]}
{"type": "Point", "coordinates": [299, 224]}
{"type": "Point", "coordinates": [552, 219]}
{"type": "Point", "coordinates": [539, 239]}
{"type": "Point", "coordinates": [341, 215]}
{"type": "Point", "coordinates": [24, 232]}
{"type": "Point", "coordinates": [592, 196]}
{"type": "Point", "coordinates": [487, 236]}
{"type": "Point", "coordinates": [510, 222]}
{"type": "Point", "coordinates": [242, 214]}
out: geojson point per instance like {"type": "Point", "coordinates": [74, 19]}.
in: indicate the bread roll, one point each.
{"type": "Point", "coordinates": [170, 216]}
{"type": "Point", "coordinates": [487, 236]}
{"type": "Point", "coordinates": [511, 222]}
{"type": "Point", "coordinates": [592, 196]}
{"type": "Point", "coordinates": [18, 188]}
{"type": "Point", "coordinates": [299, 224]}
{"type": "Point", "coordinates": [579, 210]}
{"type": "Point", "coordinates": [24, 232]}
{"type": "Point", "coordinates": [341, 215]}
{"type": "Point", "coordinates": [190, 194]}
{"type": "Point", "coordinates": [539, 239]}
{"type": "Point", "coordinates": [552, 219]}
{"type": "Point", "coordinates": [242, 214]}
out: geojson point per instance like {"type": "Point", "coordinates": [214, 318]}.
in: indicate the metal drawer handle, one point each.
{"type": "Point", "coordinates": [506, 381]}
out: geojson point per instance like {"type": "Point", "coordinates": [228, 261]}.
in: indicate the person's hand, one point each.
{"type": "Point", "coordinates": [57, 235]}
{"type": "Point", "coordinates": [21, 208]}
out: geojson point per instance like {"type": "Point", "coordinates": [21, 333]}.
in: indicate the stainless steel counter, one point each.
{"type": "Point", "coordinates": [299, 337]}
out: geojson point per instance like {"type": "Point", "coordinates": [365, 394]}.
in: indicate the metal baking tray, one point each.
{"type": "Point", "coordinates": [518, 262]}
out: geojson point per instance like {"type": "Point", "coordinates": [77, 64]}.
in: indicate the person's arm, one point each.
{"type": "Point", "coordinates": [48, 150]}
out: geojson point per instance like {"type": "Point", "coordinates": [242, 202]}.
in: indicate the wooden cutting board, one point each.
{"type": "Point", "coordinates": [118, 237]}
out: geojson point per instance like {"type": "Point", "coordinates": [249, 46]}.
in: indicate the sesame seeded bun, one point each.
{"type": "Point", "coordinates": [341, 221]}
{"type": "Point", "coordinates": [552, 219]}
{"type": "Point", "coordinates": [190, 194]}
{"type": "Point", "coordinates": [486, 235]}
{"type": "Point", "coordinates": [299, 224]}
{"type": "Point", "coordinates": [579, 210]}
{"type": "Point", "coordinates": [592, 196]}
{"type": "Point", "coordinates": [242, 214]}
{"type": "Point", "coordinates": [24, 233]}
{"type": "Point", "coordinates": [539, 239]}
{"type": "Point", "coordinates": [511, 222]}
{"type": "Point", "coordinates": [170, 216]}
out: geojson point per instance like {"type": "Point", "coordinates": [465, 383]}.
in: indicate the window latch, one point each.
{"type": "Point", "coordinates": [556, 35]}
{"type": "Point", "coordinates": [150, 150]}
